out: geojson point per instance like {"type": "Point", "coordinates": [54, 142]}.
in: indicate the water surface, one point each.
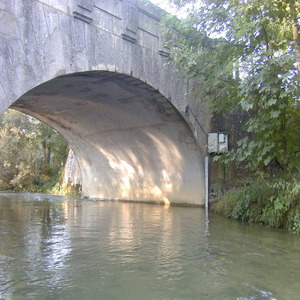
{"type": "Point", "coordinates": [53, 247]}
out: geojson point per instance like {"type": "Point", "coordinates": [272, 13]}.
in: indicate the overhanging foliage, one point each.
{"type": "Point", "coordinates": [246, 55]}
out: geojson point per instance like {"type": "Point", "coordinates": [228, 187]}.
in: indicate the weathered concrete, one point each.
{"type": "Point", "coordinates": [96, 72]}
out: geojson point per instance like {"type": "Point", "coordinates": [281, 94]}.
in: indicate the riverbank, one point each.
{"type": "Point", "coordinates": [275, 204]}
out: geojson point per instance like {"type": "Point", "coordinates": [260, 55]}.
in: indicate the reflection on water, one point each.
{"type": "Point", "coordinates": [58, 248]}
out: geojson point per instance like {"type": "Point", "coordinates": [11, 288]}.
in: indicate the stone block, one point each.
{"type": "Point", "coordinates": [7, 5]}
{"type": "Point", "coordinates": [130, 18]}
{"type": "Point", "coordinates": [61, 5]}
{"type": "Point", "coordinates": [8, 24]}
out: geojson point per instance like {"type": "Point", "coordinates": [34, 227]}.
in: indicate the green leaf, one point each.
{"type": "Point", "coordinates": [272, 102]}
{"type": "Point", "coordinates": [283, 94]}
{"type": "Point", "coordinates": [275, 114]}
{"type": "Point", "coordinates": [267, 160]}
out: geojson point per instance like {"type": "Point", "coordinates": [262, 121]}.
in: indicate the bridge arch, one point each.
{"type": "Point", "coordinates": [130, 141]}
{"type": "Point", "coordinates": [106, 57]}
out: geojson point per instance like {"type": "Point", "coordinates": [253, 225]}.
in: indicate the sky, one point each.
{"type": "Point", "coordinates": [172, 9]}
{"type": "Point", "coordinates": [164, 4]}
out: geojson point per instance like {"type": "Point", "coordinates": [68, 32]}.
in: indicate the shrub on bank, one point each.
{"type": "Point", "coordinates": [273, 203]}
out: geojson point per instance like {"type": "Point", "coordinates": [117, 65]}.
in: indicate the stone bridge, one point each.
{"type": "Point", "coordinates": [97, 72]}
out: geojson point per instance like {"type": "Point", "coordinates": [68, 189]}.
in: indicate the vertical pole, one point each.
{"type": "Point", "coordinates": [206, 184]}
{"type": "Point", "coordinates": [206, 171]}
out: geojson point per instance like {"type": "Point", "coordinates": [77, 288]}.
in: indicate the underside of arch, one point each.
{"type": "Point", "coordinates": [130, 142]}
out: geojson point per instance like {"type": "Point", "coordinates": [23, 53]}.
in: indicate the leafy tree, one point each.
{"type": "Point", "coordinates": [246, 55]}
{"type": "Point", "coordinates": [32, 154]}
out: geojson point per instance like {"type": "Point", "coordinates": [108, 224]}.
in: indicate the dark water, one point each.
{"type": "Point", "coordinates": [57, 248]}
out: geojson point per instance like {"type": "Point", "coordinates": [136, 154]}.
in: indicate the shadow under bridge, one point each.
{"type": "Point", "coordinates": [129, 140]}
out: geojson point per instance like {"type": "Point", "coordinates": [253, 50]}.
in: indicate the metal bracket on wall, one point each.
{"type": "Point", "coordinates": [164, 47]}
{"type": "Point", "coordinates": [84, 10]}
{"type": "Point", "coordinates": [164, 51]}
{"type": "Point", "coordinates": [131, 21]}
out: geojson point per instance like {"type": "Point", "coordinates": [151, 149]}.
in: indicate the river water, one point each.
{"type": "Point", "coordinates": [54, 247]}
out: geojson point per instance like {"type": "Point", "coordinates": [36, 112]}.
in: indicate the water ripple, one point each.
{"type": "Point", "coordinates": [58, 248]}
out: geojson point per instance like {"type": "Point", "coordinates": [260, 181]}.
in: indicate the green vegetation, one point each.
{"type": "Point", "coordinates": [32, 154]}
{"type": "Point", "coordinates": [246, 56]}
{"type": "Point", "coordinates": [273, 203]}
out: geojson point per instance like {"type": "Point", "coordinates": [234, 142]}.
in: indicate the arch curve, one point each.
{"type": "Point", "coordinates": [130, 141]}
{"type": "Point", "coordinates": [67, 69]}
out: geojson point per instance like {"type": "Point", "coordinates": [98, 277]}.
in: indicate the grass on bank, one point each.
{"type": "Point", "coordinates": [275, 204]}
